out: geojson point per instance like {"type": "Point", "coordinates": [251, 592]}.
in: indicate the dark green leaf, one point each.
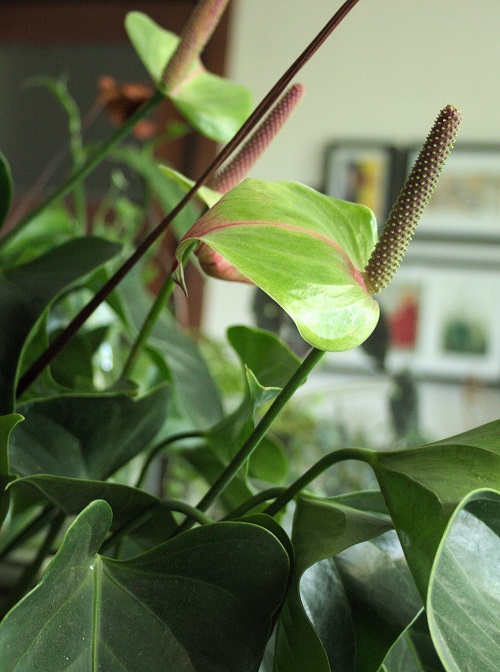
{"type": "Point", "coordinates": [73, 366]}
{"type": "Point", "coordinates": [382, 597]}
{"type": "Point", "coordinates": [464, 591]}
{"type": "Point", "coordinates": [50, 228]}
{"type": "Point", "coordinates": [7, 424]}
{"type": "Point", "coordinates": [270, 360]}
{"type": "Point", "coordinates": [413, 651]}
{"type": "Point", "coordinates": [27, 290]}
{"type": "Point", "coordinates": [6, 188]}
{"type": "Point", "coordinates": [322, 528]}
{"type": "Point", "coordinates": [305, 250]}
{"type": "Point", "coordinates": [210, 466]}
{"type": "Point", "coordinates": [195, 394]}
{"type": "Point", "coordinates": [202, 602]}
{"type": "Point", "coordinates": [422, 487]}
{"type": "Point", "coordinates": [72, 495]}
{"type": "Point", "coordinates": [86, 436]}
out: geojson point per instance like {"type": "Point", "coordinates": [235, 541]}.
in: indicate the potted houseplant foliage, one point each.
{"type": "Point", "coordinates": [97, 380]}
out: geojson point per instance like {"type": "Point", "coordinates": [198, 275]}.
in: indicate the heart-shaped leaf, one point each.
{"type": "Point", "coordinates": [87, 436]}
{"type": "Point", "coordinates": [7, 424]}
{"type": "Point", "coordinates": [422, 487]}
{"type": "Point", "coordinates": [27, 290]}
{"type": "Point", "coordinates": [382, 597]}
{"type": "Point", "coordinates": [130, 505]}
{"type": "Point", "coordinates": [322, 528]}
{"type": "Point", "coordinates": [213, 105]}
{"type": "Point", "coordinates": [6, 188]}
{"type": "Point", "coordinates": [203, 601]}
{"type": "Point", "coordinates": [463, 603]}
{"type": "Point", "coordinates": [304, 249]}
{"type": "Point", "coordinates": [413, 651]}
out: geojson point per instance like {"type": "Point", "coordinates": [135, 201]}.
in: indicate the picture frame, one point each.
{"type": "Point", "coordinates": [363, 172]}
{"type": "Point", "coordinates": [465, 205]}
{"type": "Point", "coordinates": [442, 317]}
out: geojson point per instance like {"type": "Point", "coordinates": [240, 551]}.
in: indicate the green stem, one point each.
{"type": "Point", "coordinates": [88, 166]}
{"type": "Point", "coordinates": [258, 433]}
{"type": "Point", "coordinates": [148, 324]}
{"type": "Point", "coordinates": [30, 573]}
{"type": "Point", "coordinates": [161, 446]}
{"type": "Point", "coordinates": [327, 461]}
{"type": "Point", "coordinates": [167, 504]}
{"type": "Point", "coordinates": [78, 156]}
{"type": "Point", "coordinates": [252, 502]}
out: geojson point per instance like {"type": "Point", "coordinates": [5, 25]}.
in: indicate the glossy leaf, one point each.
{"type": "Point", "coordinates": [7, 424]}
{"type": "Point", "coordinates": [434, 478]}
{"type": "Point", "coordinates": [6, 188]}
{"type": "Point", "coordinates": [129, 504]}
{"type": "Point", "coordinates": [413, 651]}
{"type": "Point", "coordinates": [382, 596]}
{"type": "Point", "coordinates": [464, 592]}
{"type": "Point", "coordinates": [213, 105]}
{"type": "Point", "coordinates": [87, 436]}
{"type": "Point", "coordinates": [322, 528]}
{"type": "Point", "coordinates": [270, 360]}
{"type": "Point", "coordinates": [73, 367]}
{"type": "Point", "coordinates": [202, 601]}
{"type": "Point", "coordinates": [304, 249]}
{"type": "Point", "coordinates": [27, 290]}
{"type": "Point", "coordinates": [195, 394]}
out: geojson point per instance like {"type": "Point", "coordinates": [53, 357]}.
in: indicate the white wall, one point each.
{"type": "Point", "coordinates": [384, 74]}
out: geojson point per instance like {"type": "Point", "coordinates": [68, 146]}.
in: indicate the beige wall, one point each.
{"type": "Point", "coordinates": [384, 73]}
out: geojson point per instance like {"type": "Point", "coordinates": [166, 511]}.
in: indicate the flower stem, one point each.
{"type": "Point", "coordinates": [161, 446]}
{"type": "Point", "coordinates": [147, 327]}
{"type": "Point", "coordinates": [252, 502]}
{"type": "Point", "coordinates": [327, 461]}
{"type": "Point", "coordinates": [169, 505]}
{"type": "Point", "coordinates": [258, 433]}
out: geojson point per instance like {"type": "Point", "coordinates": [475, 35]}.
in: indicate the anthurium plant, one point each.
{"type": "Point", "coordinates": [98, 385]}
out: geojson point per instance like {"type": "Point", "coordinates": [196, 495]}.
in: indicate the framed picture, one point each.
{"type": "Point", "coordinates": [466, 202]}
{"type": "Point", "coordinates": [442, 317]}
{"type": "Point", "coordinates": [444, 321]}
{"type": "Point", "coordinates": [362, 172]}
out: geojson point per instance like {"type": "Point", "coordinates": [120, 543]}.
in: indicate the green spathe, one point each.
{"type": "Point", "coordinates": [213, 105]}
{"type": "Point", "coordinates": [304, 249]}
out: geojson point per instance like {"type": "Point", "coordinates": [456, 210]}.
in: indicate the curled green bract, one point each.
{"type": "Point", "coordinates": [305, 250]}
{"type": "Point", "coordinates": [213, 105]}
